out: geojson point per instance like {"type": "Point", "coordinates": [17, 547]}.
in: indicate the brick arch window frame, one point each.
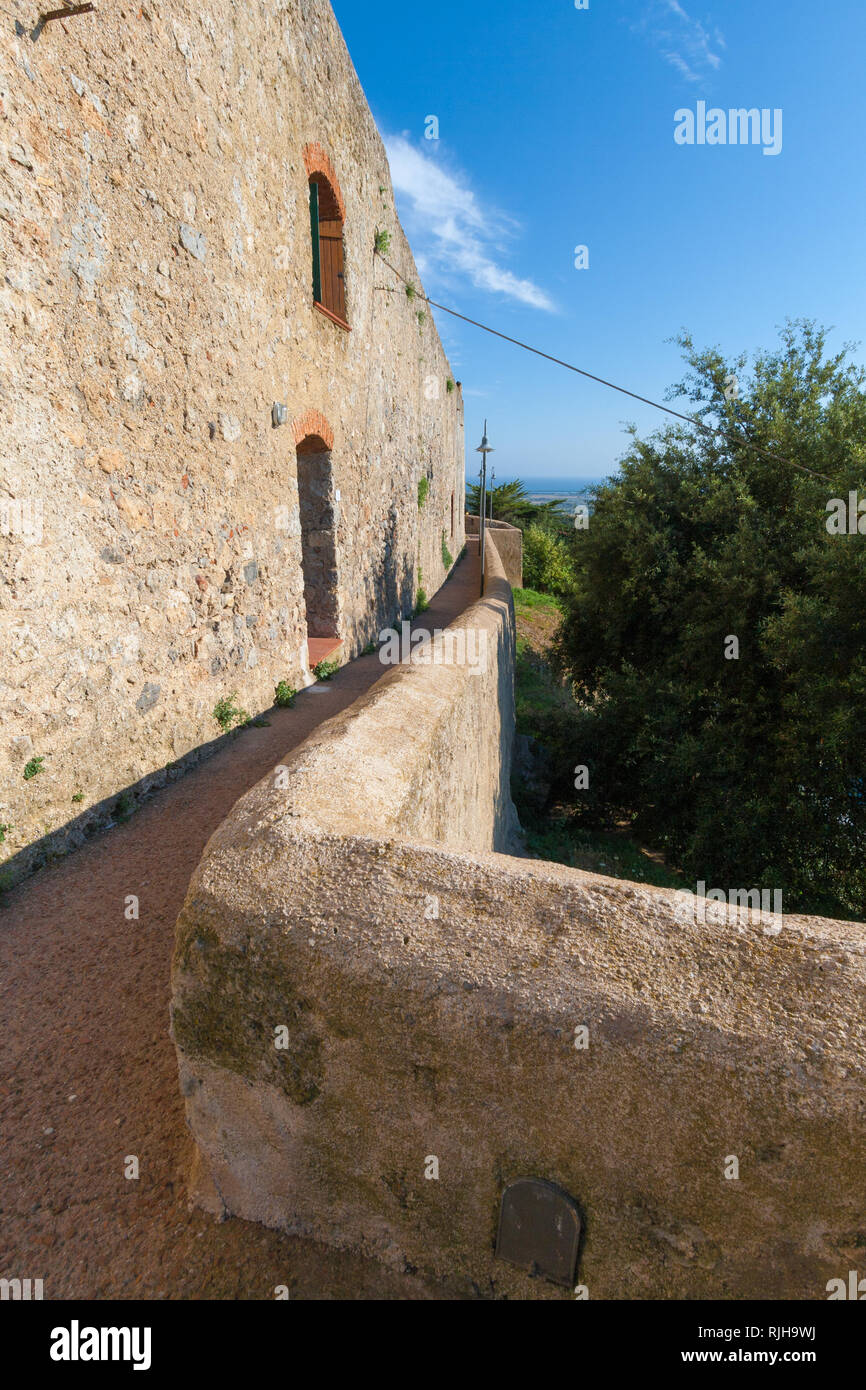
{"type": "Point", "coordinates": [312, 424]}
{"type": "Point", "coordinates": [327, 218]}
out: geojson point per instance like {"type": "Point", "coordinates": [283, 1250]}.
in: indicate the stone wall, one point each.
{"type": "Point", "coordinates": [361, 988]}
{"type": "Point", "coordinates": [509, 544]}
{"type": "Point", "coordinates": [156, 303]}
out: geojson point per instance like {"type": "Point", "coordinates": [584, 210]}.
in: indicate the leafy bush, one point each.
{"type": "Point", "coordinates": [228, 713]}
{"type": "Point", "coordinates": [547, 561]}
{"type": "Point", "coordinates": [284, 695]}
{"type": "Point", "coordinates": [325, 670]}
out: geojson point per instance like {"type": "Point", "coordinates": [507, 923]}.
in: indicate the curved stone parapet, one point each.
{"type": "Point", "coordinates": [382, 1023]}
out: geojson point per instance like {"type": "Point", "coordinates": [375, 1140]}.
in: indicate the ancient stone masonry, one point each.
{"type": "Point", "coordinates": [158, 325]}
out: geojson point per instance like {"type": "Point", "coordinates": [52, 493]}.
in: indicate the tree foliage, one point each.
{"type": "Point", "coordinates": [748, 772]}
{"type": "Point", "coordinates": [547, 563]}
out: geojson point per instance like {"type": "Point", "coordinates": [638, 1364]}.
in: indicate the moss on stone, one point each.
{"type": "Point", "coordinates": [234, 1000]}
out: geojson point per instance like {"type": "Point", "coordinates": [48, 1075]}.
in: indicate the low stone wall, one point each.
{"type": "Point", "coordinates": [509, 545]}
{"type": "Point", "coordinates": [381, 1022]}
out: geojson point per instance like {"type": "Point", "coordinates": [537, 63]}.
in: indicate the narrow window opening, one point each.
{"type": "Point", "coordinates": [326, 229]}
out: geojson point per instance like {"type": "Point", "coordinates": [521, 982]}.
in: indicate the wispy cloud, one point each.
{"type": "Point", "coordinates": [454, 234]}
{"type": "Point", "coordinates": [682, 41]}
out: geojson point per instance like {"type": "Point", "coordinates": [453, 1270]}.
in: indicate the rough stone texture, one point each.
{"type": "Point", "coordinates": [157, 302]}
{"type": "Point", "coordinates": [431, 996]}
{"type": "Point", "coordinates": [509, 544]}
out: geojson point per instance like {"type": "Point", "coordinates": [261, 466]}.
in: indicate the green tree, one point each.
{"type": "Point", "coordinates": [749, 772]}
{"type": "Point", "coordinates": [511, 503]}
{"type": "Point", "coordinates": [547, 561]}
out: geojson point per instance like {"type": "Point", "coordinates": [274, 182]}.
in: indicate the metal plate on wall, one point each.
{"type": "Point", "coordinates": [539, 1229]}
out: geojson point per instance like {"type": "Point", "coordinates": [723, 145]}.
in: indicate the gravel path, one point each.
{"type": "Point", "coordinates": [88, 1071]}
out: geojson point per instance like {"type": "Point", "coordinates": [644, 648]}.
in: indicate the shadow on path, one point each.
{"type": "Point", "coordinates": [89, 1076]}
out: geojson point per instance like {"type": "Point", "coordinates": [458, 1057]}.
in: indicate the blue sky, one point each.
{"type": "Point", "coordinates": [556, 129]}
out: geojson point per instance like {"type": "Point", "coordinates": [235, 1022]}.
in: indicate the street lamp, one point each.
{"type": "Point", "coordinates": [483, 449]}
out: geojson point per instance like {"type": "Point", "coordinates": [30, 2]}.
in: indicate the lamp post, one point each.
{"type": "Point", "coordinates": [483, 449]}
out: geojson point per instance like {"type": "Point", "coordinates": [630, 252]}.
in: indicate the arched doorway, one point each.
{"type": "Point", "coordinates": [317, 504]}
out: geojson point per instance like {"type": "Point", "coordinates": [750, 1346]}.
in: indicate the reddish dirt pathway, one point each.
{"type": "Point", "coordinates": [88, 1070]}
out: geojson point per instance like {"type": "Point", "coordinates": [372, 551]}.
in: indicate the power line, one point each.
{"type": "Point", "coordinates": [645, 400]}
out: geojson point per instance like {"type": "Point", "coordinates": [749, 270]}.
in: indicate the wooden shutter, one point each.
{"type": "Point", "coordinates": [314, 232]}
{"type": "Point", "coordinates": [333, 288]}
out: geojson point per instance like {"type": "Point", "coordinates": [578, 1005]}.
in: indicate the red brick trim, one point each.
{"type": "Point", "coordinates": [317, 161]}
{"type": "Point", "coordinates": [312, 422]}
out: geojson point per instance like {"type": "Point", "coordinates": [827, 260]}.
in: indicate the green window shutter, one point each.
{"type": "Point", "coordinates": [314, 230]}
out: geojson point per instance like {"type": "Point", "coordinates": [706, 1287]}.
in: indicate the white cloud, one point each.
{"type": "Point", "coordinates": [681, 40]}
{"type": "Point", "coordinates": [454, 232]}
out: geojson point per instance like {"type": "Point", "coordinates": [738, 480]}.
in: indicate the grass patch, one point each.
{"type": "Point", "coordinates": [610, 852]}
{"type": "Point", "coordinates": [531, 601]}
{"type": "Point", "coordinates": [536, 690]}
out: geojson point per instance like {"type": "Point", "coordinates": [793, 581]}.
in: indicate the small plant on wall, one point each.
{"type": "Point", "coordinates": [423, 489]}
{"type": "Point", "coordinates": [422, 603]}
{"type": "Point", "coordinates": [284, 695]}
{"type": "Point", "coordinates": [447, 559]}
{"type": "Point", "coordinates": [228, 713]}
{"type": "Point", "coordinates": [325, 670]}
{"type": "Point", "coordinates": [383, 243]}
